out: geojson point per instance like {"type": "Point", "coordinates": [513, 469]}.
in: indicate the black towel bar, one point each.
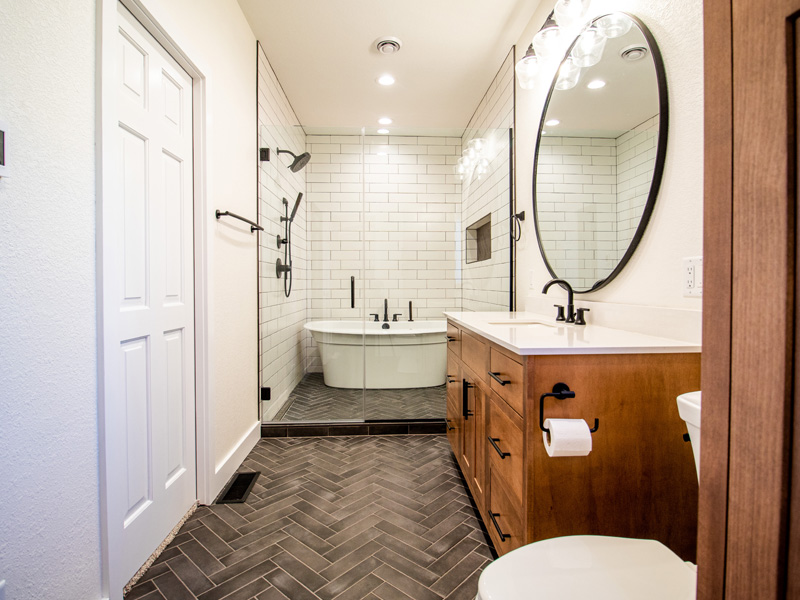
{"type": "Point", "coordinates": [253, 226]}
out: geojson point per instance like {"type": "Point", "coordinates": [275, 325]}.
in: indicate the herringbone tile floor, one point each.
{"type": "Point", "coordinates": [344, 518]}
{"type": "Point", "coordinates": [312, 400]}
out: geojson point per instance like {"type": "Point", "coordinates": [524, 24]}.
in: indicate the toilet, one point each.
{"type": "Point", "coordinates": [579, 567]}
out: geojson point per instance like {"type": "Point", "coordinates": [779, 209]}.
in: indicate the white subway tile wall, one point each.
{"type": "Point", "coordinates": [486, 284]}
{"type": "Point", "coordinates": [590, 194]}
{"type": "Point", "coordinates": [281, 319]}
{"type": "Point", "coordinates": [411, 208]}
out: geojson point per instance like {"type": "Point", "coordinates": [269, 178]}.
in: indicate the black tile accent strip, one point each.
{"type": "Point", "coordinates": [422, 427]}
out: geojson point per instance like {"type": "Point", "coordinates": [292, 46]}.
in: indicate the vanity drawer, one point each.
{"type": "Point", "coordinates": [454, 339]}
{"type": "Point", "coordinates": [506, 437]}
{"type": "Point", "coordinates": [504, 517]}
{"type": "Point", "coordinates": [510, 372]}
{"type": "Point", "coordinates": [473, 353]}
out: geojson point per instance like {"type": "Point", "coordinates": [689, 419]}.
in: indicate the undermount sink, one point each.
{"type": "Point", "coordinates": [520, 322]}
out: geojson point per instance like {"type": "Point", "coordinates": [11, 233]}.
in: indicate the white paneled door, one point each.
{"type": "Point", "coordinates": [150, 324]}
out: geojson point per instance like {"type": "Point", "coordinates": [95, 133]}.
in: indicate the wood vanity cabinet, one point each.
{"type": "Point", "coordinates": [639, 480]}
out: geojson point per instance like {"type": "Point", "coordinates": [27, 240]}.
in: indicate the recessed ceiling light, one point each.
{"type": "Point", "coordinates": [385, 121]}
{"type": "Point", "coordinates": [386, 79]}
{"type": "Point", "coordinates": [383, 131]}
{"type": "Point", "coordinates": [552, 122]}
{"type": "Point", "coordinates": [596, 84]}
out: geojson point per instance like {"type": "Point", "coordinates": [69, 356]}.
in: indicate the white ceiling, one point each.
{"type": "Point", "coordinates": [323, 52]}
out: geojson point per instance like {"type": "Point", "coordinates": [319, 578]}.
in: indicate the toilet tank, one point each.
{"type": "Point", "coordinates": [689, 410]}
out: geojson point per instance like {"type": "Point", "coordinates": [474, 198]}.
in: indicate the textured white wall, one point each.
{"type": "Point", "coordinates": [217, 38]}
{"type": "Point", "coordinates": [653, 276]}
{"type": "Point", "coordinates": [49, 512]}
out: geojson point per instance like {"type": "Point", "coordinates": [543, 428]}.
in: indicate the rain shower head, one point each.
{"type": "Point", "coordinates": [299, 161]}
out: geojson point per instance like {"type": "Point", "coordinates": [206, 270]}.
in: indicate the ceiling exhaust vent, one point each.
{"type": "Point", "coordinates": [633, 53]}
{"type": "Point", "coordinates": [388, 45]}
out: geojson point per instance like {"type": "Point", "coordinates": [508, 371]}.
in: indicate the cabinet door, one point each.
{"type": "Point", "coordinates": [454, 425]}
{"type": "Point", "coordinates": [467, 406]}
{"type": "Point", "coordinates": [453, 379]}
{"type": "Point", "coordinates": [481, 398]}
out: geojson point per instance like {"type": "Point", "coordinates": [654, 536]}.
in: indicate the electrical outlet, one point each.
{"type": "Point", "coordinates": [693, 277]}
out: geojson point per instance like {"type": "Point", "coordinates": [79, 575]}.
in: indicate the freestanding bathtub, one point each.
{"type": "Point", "coordinates": [407, 355]}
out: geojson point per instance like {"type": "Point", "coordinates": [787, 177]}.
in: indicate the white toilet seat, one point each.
{"type": "Point", "coordinates": [587, 566]}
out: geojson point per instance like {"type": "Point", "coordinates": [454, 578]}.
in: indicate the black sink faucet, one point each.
{"type": "Point", "coordinates": [386, 310]}
{"type": "Point", "coordinates": [570, 318]}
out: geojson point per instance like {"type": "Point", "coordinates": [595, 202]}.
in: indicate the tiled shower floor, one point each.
{"type": "Point", "coordinates": [312, 400]}
{"type": "Point", "coordinates": [344, 518]}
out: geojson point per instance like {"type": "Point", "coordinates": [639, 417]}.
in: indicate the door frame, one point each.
{"type": "Point", "coordinates": [748, 524]}
{"type": "Point", "coordinates": [108, 171]}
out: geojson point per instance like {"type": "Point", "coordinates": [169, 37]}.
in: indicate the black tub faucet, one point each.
{"type": "Point", "coordinates": [385, 310]}
{"type": "Point", "coordinates": [570, 317]}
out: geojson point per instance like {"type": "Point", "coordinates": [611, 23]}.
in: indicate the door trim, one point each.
{"type": "Point", "coordinates": [107, 173]}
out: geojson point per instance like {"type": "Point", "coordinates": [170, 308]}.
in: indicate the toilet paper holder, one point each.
{"type": "Point", "coordinates": [560, 391]}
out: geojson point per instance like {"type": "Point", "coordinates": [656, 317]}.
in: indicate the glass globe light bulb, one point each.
{"type": "Point", "coordinates": [614, 25]}
{"type": "Point", "coordinates": [588, 50]}
{"type": "Point", "coordinates": [527, 68]}
{"type": "Point", "coordinates": [547, 42]}
{"type": "Point", "coordinates": [569, 12]}
{"type": "Point", "coordinates": [568, 75]}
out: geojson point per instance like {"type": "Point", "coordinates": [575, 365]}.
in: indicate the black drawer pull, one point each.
{"type": "Point", "coordinates": [465, 411]}
{"type": "Point", "coordinates": [502, 535]}
{"type": "Point", "coordinates": [449, 427]}
{"type": "Point", "coordinates": [450, 338]}
{"type": "Point", "coordinates": [449, 380]}
{"type": "Point", "coordinates": [496, 377]}
{"type": "Point", "coordinates": [496, 447]}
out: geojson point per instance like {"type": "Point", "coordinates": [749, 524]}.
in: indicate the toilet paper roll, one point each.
{"type": "Point", "coordinates": [568, 437]}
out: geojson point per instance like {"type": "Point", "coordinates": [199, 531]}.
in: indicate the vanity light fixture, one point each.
{"type": "Point", "coordinates": [385, 121]}
{"type": "Point", "coordinates": [552, 122]}
{"type": "Point", "coordinates": [383, 131]}
{"type": "Point", "coordinates": [527, 68]}
{"type": "Point", "coordinates": [596, 84]}
{"type": "Point", "coordinates": [386, 79]}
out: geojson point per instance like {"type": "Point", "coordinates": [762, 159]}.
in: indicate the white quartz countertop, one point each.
{"type": "Point", "coordinates": [528, 333]}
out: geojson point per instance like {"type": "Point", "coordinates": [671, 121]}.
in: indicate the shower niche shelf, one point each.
{"type": "Point", "coordinates": [479, 240]}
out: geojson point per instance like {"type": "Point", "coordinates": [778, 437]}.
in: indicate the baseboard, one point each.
{"type": "Point", "coordinates": [225, 469]}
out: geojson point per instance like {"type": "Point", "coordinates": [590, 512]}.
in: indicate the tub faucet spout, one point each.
{"type": "Point", "coordinates": [386, 310]}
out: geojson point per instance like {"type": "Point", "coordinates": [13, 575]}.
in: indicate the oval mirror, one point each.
{"type": "Point", "coordinates": [600, 152]}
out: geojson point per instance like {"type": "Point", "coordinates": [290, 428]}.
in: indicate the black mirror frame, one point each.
{"type": "Point", "coordinates": [661, 150]}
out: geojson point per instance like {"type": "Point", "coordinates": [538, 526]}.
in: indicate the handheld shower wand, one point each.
{"type": "Point", "coordinates": [285, 268]}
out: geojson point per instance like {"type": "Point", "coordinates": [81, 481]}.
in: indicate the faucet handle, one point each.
{"type": "Point", "coordinates": [395, 315]}
{"type": "Point", "coordinates": [560, 316]}
{"type": "Point", "coordinates": [376, 319]}
{"type": "Point", "coordinates": [579, 320]}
